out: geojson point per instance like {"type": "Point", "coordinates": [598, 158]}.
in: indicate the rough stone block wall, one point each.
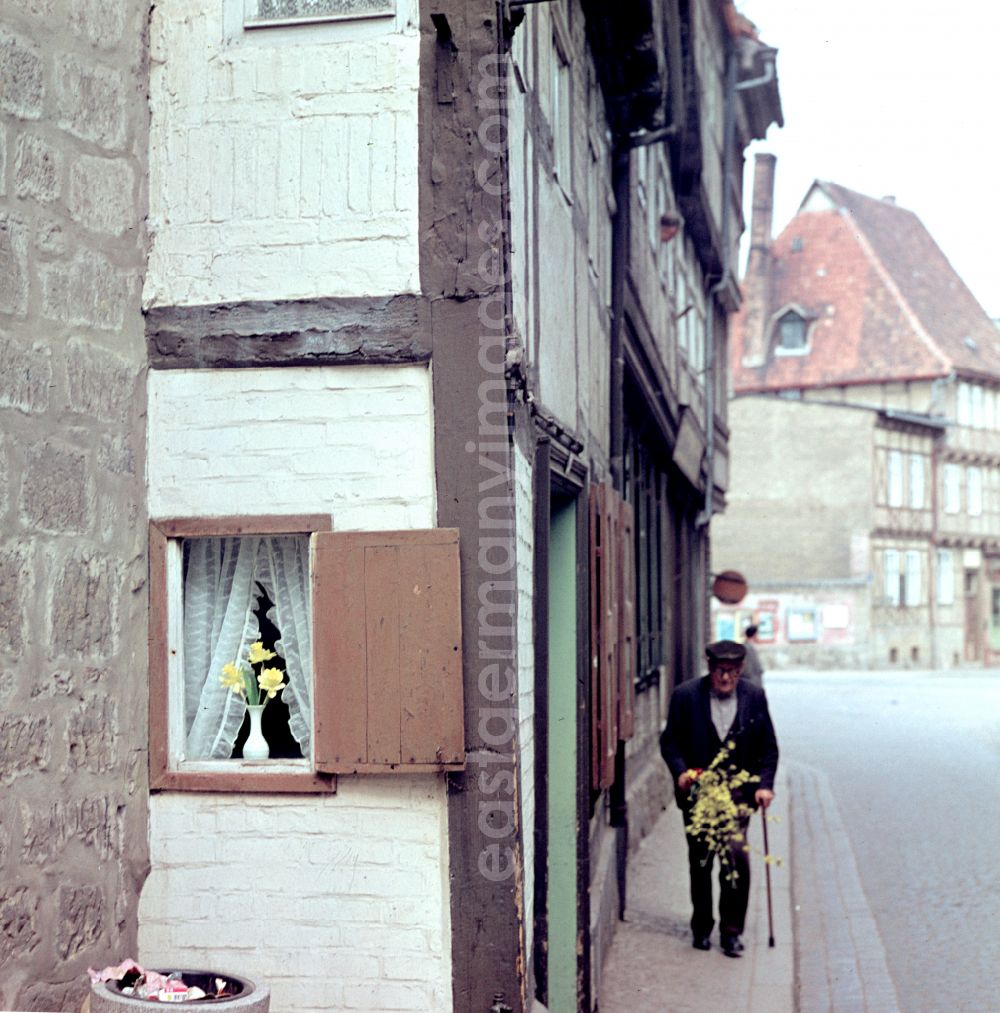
{"type": "Point", "coordinates": [73, 797]}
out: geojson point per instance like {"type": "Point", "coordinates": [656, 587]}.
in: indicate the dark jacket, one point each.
{"type": "Point", "coordinates": [690, 739]}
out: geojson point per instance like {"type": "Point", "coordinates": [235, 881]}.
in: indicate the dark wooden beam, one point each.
{"type": "Point", "coordinates": [374, 330]}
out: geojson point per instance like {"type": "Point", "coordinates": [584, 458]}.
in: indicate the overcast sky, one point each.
{"type": "Point", "coordinates": [896, 97]}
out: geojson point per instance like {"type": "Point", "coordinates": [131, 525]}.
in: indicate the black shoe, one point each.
{"type": "Point", "coordinates": [702, 943]}
{"type": "Point", "coordinates": [732, 945]}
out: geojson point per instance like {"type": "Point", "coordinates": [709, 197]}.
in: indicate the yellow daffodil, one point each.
{"type": "Point", "coordinates": [232, 678]}
{"type": "Point", "coordinates": [270, 681]}
{"type": "Point", "coordinates": [258, 653]}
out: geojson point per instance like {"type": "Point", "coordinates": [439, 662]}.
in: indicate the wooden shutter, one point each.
{"type": "Point", "coordinates": [626, 620]}
{"type": "Point", "coordinates": [387, 651]}
{"type": "Point", "coordinates": [603, 636]}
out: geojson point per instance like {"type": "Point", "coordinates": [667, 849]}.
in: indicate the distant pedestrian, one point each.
{"type": "Point", "coordinates": [719, 713]}
{"type": "Point", "coordinates": [753, 670]}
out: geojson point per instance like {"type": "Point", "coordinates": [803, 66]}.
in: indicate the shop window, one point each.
{"type": "Point", "coordinates": [361, 630]}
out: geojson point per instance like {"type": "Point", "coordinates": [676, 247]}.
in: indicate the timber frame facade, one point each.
{"type": "Point", "coordinates": [431, 400]}
{"type": "Point", "coordinates": [865, 499]}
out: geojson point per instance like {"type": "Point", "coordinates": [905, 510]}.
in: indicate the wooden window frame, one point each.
{"type": "Point", "coordinates": [383, 702]}
{"type": "Point", "coordinates": [163, 776]}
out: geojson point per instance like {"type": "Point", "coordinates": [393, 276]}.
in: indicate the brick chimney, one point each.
{"type": "Point", "coordinates": [757, 282]}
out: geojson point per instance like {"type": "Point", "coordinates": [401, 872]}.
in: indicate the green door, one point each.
{"type": "Point", "coordinates": [562, 759]}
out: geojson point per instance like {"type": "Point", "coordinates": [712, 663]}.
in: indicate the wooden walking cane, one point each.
{"type": "Point", "coordinates": [767, 876]}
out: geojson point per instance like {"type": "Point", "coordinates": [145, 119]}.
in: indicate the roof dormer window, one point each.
{"type": "Point", "coordinates": [791, 330]}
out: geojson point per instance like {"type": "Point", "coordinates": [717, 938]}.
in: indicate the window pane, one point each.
{"type": "Point", "coordinates": [891, 576]}
{"type": "Point", "coordinates": [895, 478]}
{"type": "Point", "coordinates": [277, 11]}
{"type": "Point", "coordinates": [916, 481]}
{"type": "Point", "coordinates": [238, 592]}
{"type": "Point", "coordinates": [913, 578]}
{"type": "Point", "coordinates": [964, 405]}
{"type": "Point", "coordinates": [792, 331]}
{"type": "Point", "coordinates": [952, 488]}
{"type": "Point", "coordinates": [975, 491]}
{"type": "Point", "coordinates": [945, 577]}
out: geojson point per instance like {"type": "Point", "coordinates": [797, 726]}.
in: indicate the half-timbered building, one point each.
{"type": "Point", "coordinates": [864, 504]}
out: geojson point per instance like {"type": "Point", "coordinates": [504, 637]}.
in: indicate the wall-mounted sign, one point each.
{"type": "Point", "coordinates": [264, 13]}
{"type": "Point", "coordinates": [689, 448]}
{"type": "Point", "coordinates": [802, 624]}
{"type": "Point", "coordinates": [767, 628]}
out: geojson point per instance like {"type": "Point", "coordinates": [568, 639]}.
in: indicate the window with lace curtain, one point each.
{"type": "Point", "coordinates": [362, 629]}
{"type": "Point", "coordinates": [239, 591]}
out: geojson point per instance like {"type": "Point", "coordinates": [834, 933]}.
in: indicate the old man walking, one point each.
{"type": "Point", "coordinates": [705, 716]}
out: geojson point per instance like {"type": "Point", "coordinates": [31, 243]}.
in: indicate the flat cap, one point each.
{"type": "Point", "coordinates": [725, 650]}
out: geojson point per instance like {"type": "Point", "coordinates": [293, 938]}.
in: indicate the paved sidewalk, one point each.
{"type": "Point", "coordinates": [834, 963]}
{"type": "Point", "coordinates": [652, 967]}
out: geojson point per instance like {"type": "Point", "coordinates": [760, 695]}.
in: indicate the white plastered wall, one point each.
{"type": "Point", "coordinates": [342, 902]}
{"type": "Point", "coordinates": [283, 161]}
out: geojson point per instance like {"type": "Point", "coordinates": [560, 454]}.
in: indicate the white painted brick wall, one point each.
{"type": "Point", "coordinates": [282, 160]}
{"type": "Point", "coordinates": [339, 903]}
{"type": "Point", "coordinates": [353, 441]}
{"type": "Point", "coordinates": [525, 527]}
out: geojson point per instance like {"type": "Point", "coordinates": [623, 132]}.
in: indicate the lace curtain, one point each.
{"type": "Point", "coordinates": [220, 596]}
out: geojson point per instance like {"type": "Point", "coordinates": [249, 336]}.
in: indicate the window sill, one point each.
{"type": "Point", "coordinates": [246, 780]}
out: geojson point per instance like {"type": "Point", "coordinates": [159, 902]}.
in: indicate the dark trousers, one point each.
{"type": "Point", "coordinates": [734, 891]}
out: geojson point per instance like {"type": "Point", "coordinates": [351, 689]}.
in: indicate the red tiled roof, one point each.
{"type": "Point", "coordinates": [886, 303]}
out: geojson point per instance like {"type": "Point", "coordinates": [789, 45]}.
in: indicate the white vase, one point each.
{"type": "Point", "coordinates": [255, 747]}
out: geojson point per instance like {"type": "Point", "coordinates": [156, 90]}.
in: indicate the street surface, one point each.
{"type": "Point", "coordinates": [912, 760]}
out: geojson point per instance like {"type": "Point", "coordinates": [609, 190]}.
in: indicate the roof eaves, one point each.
{"type": "Point", "coordinates": [936, 422]}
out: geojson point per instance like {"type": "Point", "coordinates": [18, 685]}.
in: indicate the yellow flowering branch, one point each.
{"type": "Point", "coordinates": [716, 815]}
